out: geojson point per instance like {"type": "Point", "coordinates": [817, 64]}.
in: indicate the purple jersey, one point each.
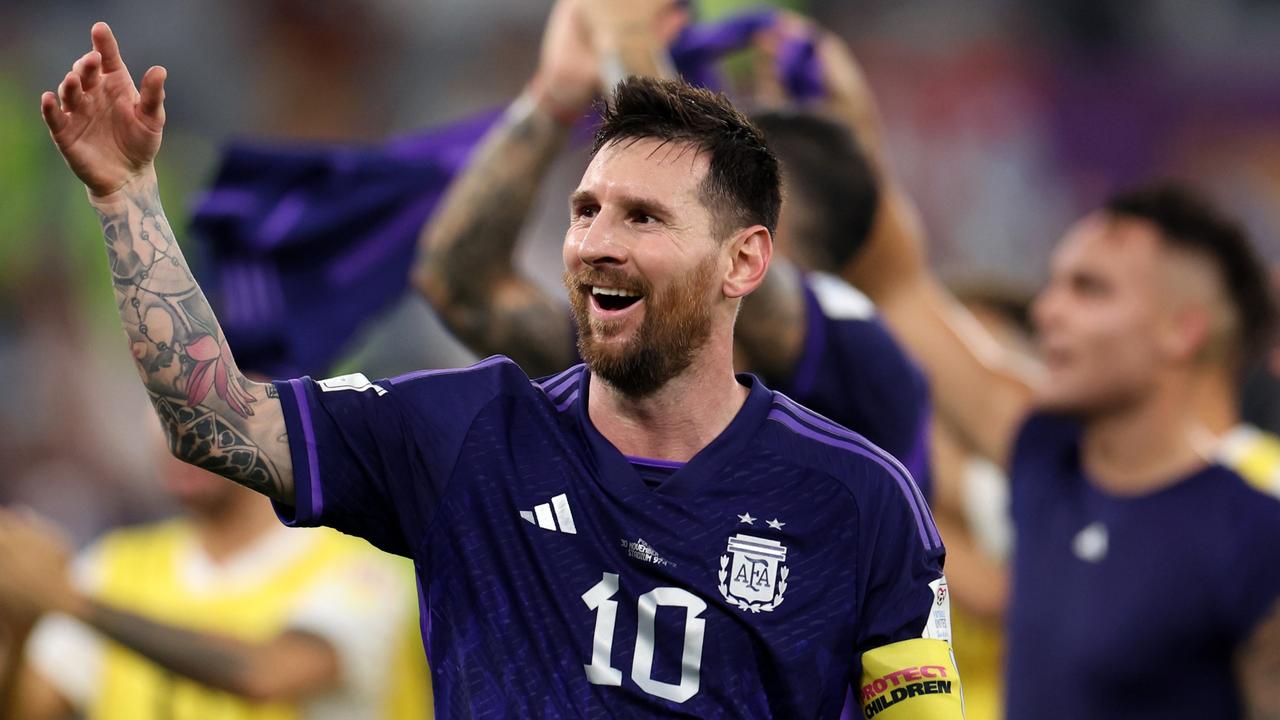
{"type": "Point", "coordinates": [557, 582]}
{"type": "Point", "coordinates": [852, 371]}
{"type": "Point", "coordinates": [1131, 607]}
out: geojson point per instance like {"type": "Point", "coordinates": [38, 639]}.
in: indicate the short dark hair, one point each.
{"type": "Point", "coordinates": [1190, 222]}
{"type": "Point", "coordinates": [743, 186]}
{"type": "Point", "coordinates": [828, 179]}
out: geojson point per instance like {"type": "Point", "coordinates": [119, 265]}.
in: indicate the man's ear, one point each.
{"type": "Point", "coordinates": [750, 252]}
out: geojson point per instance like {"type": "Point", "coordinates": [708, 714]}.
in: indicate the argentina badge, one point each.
{"type": "Point", "coordinates": [753, 574]}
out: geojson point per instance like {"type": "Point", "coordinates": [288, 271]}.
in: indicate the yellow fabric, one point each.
{"type": "Point", "coordinates": [1255, 455]}
{"type": "Point", "coordinates": [140, 573]}
{"type": "Point", "coordinates": [911, 680]}
{"type": "Point", "coordinates": [979, 649]}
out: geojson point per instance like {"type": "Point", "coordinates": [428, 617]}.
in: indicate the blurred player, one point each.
{"type": "Point", "coordinates": [1138, 557]}
{"type": "Point", "coordinates": [805, 331]}
{"type": "Point", "coordinates": [222, 613]}
{"type": "Point", "coordinates": [784, 556]}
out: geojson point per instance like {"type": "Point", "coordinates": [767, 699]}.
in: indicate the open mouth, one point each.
{"type": "Point", "coordinates": [614, 299]}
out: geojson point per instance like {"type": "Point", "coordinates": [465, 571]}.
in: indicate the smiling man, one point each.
{"type": "Point", "coordinates": [1140, 553]}
{"type": "Point", "coordinates": [783, 558]}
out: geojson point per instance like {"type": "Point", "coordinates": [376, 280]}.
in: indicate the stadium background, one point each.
{"type": "Point", "coordinates": [1005, 118]}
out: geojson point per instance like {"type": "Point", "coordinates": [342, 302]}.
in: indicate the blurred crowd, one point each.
{"type": "Point", "coordinates": [1006, 120]}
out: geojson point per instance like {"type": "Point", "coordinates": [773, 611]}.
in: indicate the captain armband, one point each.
{"type": "Point", "coordinates": [915, 679]}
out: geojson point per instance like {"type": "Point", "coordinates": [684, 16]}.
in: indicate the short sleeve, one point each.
{"type": "Point", "coordinates": [903, 592]}
{"type": "Point", "coordinates": [373, 459]}
{"type": "Point", "coordinates": [1250, 579]}
{"type": "Point", "coordinates": [361, 607]}
{"type": "Point", "coordinates": [852, 371]}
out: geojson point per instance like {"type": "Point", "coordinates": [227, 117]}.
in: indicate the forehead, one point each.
{"type": "Point", "coordinates": [647, 168]}
{"type": "Point", "coordinates": [1124, 248]}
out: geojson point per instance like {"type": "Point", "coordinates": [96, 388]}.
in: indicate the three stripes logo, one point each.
{"type": "Point", "coordinates": [554, 516]}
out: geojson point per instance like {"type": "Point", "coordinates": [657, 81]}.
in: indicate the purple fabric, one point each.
{"type": "Point", "coordinates": [301, 245]}
{"type": "Point", "coordinates": [924, 520]}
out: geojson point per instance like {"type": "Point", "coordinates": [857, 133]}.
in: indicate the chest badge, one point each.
{"type": "Point", "coordinates": [753, 575]}
{"type": "Point", "coordinates": [1090, 544]}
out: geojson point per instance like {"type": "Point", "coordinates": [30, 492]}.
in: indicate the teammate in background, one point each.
{"type": "Point", "coordinates": [1137, 554]}
{"type": "Point", "coordinates": [789, 556]}
{"type": "Point", "coordinates": [804, 331]}
{"type": "Point", "coordinates": [221, 613]}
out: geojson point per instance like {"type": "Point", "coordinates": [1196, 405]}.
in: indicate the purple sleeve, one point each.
{"type": "Point", "coordinates": [374, 459]}
{"type": "Point", "coordinates": [897, 565]}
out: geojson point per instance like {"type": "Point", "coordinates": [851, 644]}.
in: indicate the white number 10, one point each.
{"type": "Point", "coordinates": [601, 670]}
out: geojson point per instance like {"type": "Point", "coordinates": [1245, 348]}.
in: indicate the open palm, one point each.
{"type": "Point", "coordinates": [106, 129]}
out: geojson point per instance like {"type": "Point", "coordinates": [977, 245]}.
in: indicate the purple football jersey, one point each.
{"type": "Point", "coordinates": [1131, 607]}
{"type": "Point", "coordinates": [557, 582]}
{"type": "Point", "coordinates": [852, 371]}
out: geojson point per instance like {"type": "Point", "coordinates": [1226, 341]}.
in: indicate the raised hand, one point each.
{"type": "Point", "coordinates": [631, 37]}
{"type": "Point", "coordinates": [567, 73]}
{"type": "Point", "coordinates": [107, 130]}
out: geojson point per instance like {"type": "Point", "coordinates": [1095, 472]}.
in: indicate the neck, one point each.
{"type": "Point", "coordinates": [229, 529]}
{"type": "Point", "coordinates": [1217, 400]}
{"type": "Point", "coordinates": [1146, 445]}
{"type": "Point", "coordinates": [681, 417]}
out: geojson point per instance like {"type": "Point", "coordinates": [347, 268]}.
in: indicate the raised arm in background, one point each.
{"type": "Point", "coordinates": [109, 134]}
{"type": "Point", "coordinates": [466, 267]}
{"type": "Point", "coordinates": [976, 386]}
{"type": "Point", "coordinates": [35, 579]}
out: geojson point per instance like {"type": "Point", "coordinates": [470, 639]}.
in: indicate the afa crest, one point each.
{"type": "Point", "coordinates": [752, 574]}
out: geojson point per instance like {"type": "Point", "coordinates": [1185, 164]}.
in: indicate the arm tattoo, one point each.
{"type": "Point", "coordinates": [466, 250]}
{"type": "Point", "coordinates": [205, 404]}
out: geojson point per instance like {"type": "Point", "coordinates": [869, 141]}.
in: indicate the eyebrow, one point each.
{"type": "Point", "coordinates": [630, 202]}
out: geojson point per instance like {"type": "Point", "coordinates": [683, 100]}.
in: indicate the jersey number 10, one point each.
{"type": "Point", "coordinates": [601, 670]}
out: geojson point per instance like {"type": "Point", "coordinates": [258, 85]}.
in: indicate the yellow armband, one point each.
{"type": "Point", "coordinates": [911, 680]}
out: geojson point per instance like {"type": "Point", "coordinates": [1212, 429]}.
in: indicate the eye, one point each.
{"type": "Point", "coordinates": [643, 218]}
{"type": "Point", "coordinates": [584, 212]}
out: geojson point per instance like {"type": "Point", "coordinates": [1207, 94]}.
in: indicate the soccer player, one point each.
{"type": "Point", "coordinates": [220, 613]}
{"type": "Point", "coordinates": [784, 558]}
{"type": "Point", "coordinates": [804, 331]}
{"type": "Point", "coordinates": [1138, 557]}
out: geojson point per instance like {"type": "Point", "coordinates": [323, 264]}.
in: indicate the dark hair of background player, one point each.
{"type": "Point", "coordinates": [831, 189]}
{"type": "Point", "coordinates": [1189, 222]}
{"type": "Point", "coordinates": [743, 184]}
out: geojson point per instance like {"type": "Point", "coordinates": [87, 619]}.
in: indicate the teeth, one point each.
{"type": "Point", "coordinates": [619, 292]}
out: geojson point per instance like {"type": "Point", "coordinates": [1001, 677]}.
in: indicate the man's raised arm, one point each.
{"type": "Point", "coordinates": [109, 134]}
{"type": "Point", "coordinates": [975, 384]}
{"type": "Point", "coordinates": [465, 265]}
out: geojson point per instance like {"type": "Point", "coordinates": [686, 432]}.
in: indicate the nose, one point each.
{"type": "Point", "coordinates": [599, 244]}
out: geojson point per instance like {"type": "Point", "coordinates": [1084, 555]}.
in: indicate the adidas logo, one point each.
{"type": "Point", "coordinates": [547, 515]}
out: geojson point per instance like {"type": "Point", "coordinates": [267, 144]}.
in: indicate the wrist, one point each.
{"type": "Point", "coordinates": [564, 101]}
{"type": "Point", "coordinates": [146, 177]}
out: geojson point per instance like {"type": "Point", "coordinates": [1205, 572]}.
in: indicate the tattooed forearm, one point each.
{"type": "Point", "coordinates": [213, 415]}
{"type": "Point", "coordinates": [465, 266]}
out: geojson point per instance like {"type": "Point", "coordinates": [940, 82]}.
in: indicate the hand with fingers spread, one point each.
{"type": "Point", "coordinates": [35, 558]}
{"type": "Point", "coordinates": [107, 130]}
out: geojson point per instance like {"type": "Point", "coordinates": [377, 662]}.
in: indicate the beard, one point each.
{"type": "Point", "coordinates": [677, 323]}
